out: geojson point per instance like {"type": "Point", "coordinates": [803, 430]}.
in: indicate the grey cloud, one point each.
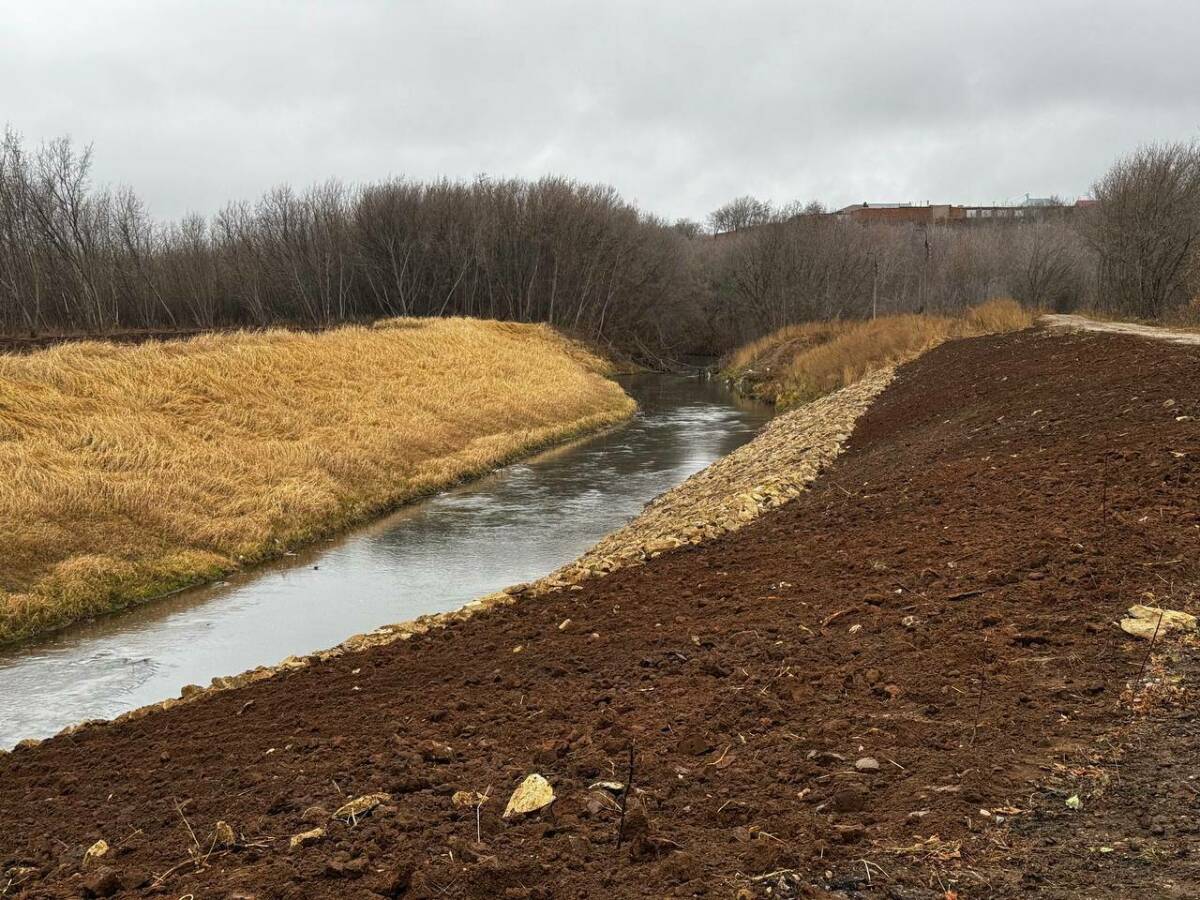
{"type": "Point", "coordinates": [680, 105]}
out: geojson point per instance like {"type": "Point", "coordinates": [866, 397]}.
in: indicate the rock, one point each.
{"type": "Point", "coordinates": [360, 806]}
{"type": "Point", "coordinates": [222, 836]}
{"type": "Point", "coordinates": [435, 751]}
{"type": "Point", "coordinates": [826, 757]}
{"type": "Point", "coordinates": [1142, 621]}
{"type": "Point", "coordinates": [306, 838]}
{"type": "Point", "coordinates": [614, 786]}
{"type": "Point", "coordinates": [867, 764]}
{"type": "Point", "coordinates": [467, 799]}
{"type": "Point", "coordinates": [104, 882]}
{"type": "Point", "coordinates": [96, 851]}
{"type": "Point", "coordinates": [533, 794]}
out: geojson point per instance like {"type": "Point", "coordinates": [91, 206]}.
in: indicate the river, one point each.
{"type": "Point", "coordinates": [514, 525]}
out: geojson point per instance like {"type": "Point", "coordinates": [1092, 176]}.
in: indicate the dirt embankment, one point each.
{"type": "Point", "coordinates": [891, 685]}
{"type": "Point", "coordinates": [756, 478]}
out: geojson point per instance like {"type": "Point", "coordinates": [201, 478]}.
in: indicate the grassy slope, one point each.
{"type": "Point", "coordinates": [800, 362]}
{"type": "Point", "coordinates": [126, 471]}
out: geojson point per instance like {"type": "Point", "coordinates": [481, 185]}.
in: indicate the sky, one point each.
{"type": "Point", "coordinates": [681, 106]}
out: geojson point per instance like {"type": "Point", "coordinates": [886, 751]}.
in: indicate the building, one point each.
{"type": "Point", "coordinates": [1037, 208]}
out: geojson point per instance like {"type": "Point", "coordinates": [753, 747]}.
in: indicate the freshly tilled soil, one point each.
{"type": "Point", "coordinates": [885, 687]}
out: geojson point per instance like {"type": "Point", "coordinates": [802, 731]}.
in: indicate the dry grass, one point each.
{"type": "Point", "coordinates": [798, 363]}
{"type": "Point", "coordinates": [126, 471]}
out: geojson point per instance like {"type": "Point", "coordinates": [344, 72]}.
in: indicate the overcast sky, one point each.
{"type": "Point", "coordinates": [679, 105]}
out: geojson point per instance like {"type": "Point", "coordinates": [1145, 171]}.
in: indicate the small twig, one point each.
{"type": "Point", "coordinates": [481, 799]}
{"type": "Point", "coordinates": [625, 798]}
{"type": "Point", "coordinates": [188, 826]}
{"type": "Point", "coordinates": [130, 837]}
{"type": "Point", "coordinates": [171, 871]}
{"type": "Point", "coordinates": [965, 595]}
{"type": "Point", "coordinates": [1137, 685]}
{"type": "Point", "coordinates": [979, 705]}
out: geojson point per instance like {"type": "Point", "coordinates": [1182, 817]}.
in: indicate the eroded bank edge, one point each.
{"type": "Point", "coordinates": [763, 474]}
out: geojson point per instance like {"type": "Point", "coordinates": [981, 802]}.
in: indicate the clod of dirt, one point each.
{"type": "Point", "coordinates": [533, 794]}
{"type": "Point", "coordinates": [644, 845]}
{"type": "Point", "coordinates": [848, 834]}
{"type": "Point", "coordinates": [314, 815]}
{"type": "Point", "coordinates": [360, 806]}
{"type": "Point", "coordinates": [96, 851]}
{"type": "Point", "coordinates": [223, 836]}
{"type": "Point", "coordinates": [306, 838]}
{"type": "Point", "coordinates": [849, 799]}
{"type": "Point", "coordinates": [399, 880]}
{"type": "Point", "coordinates": [104, 882]}
{"type": "Point", "coordinates": [694, 745]}
{"type": "Point", "coordinates": [437, 752]}
{"type": "Point", "coordinates": [1144, 621]}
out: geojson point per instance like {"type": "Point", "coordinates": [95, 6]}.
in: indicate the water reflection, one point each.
{"type": "Point", "coordinates": [514, 525]}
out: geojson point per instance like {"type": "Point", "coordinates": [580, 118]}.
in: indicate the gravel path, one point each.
{"type": "Point", "coordinates": [1081, 323]}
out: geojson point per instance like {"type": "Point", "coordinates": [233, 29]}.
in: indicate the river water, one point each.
{"type": "Point", "coordinates": [434, 555]}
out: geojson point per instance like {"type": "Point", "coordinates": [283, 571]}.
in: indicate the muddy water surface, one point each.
{"type": "Point", "coordinates": [518, 523]}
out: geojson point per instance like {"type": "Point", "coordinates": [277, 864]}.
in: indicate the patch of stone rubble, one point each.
{"type": "Point", "coordinates": [774, 468]}
{"type": "Point", "coordinates": [769, 471]}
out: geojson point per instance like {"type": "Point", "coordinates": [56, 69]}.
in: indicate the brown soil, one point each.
{"type": "Point", "coordinates": [941, 601]}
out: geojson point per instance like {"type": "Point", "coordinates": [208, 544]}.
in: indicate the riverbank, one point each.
{"type": "Point", "coordinates": [431, 556]}
{"type": "Point", "coordinates": [907, 679]}
{"type": "Point", "coordinates": [798, 363]}
{"type": "Point", "coordinates": [130, 470]}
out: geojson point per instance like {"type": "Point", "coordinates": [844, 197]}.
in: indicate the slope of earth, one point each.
{"type": "Point", "coordinates": [887, 687]}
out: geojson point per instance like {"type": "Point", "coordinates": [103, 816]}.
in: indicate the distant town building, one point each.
{"type": "Point", "coordinates": [949, 213]}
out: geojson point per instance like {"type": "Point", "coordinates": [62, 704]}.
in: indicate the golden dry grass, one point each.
{"type": "Point", "coordinates": [800, 362]}
{"type": "Point", "coordinates": [126, 471]}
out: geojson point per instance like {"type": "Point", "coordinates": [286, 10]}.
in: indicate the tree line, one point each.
{"type": "Point", "coordinates": [79, 258]}
{"type": "Point", "coordinates": [74, 258]}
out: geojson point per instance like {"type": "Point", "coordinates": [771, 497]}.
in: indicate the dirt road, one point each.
{"type": "Point", "coordinates": [905, 683]}
{"type": "Point", "coordinates": [1081, 323]}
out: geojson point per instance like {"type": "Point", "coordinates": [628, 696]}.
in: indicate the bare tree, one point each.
{"type": "Point", "coordinates": [1145, 229]}
{"type": "Point", "coordinates": [744, 212]}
